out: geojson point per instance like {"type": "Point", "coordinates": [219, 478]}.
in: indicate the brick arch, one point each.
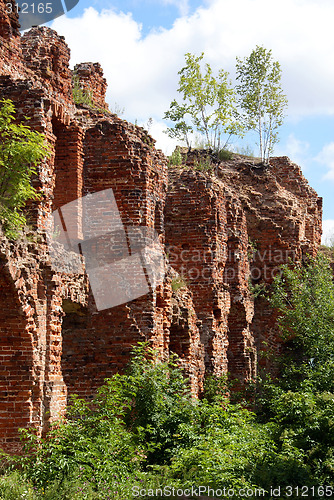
{"type": "Point", "coordinates": [16, 366]}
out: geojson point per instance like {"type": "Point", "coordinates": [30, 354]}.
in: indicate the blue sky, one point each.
{"type": "Point", "coordinates": [141, 45]}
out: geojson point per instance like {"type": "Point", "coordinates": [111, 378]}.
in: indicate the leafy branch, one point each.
{"type": "Point", "coordinates": [21, 150]}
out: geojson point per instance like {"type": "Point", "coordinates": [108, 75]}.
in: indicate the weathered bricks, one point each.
{"type": "Point", "coordinates": [221, 231]}
{"type": "Point", "coordinates": [89, 78]}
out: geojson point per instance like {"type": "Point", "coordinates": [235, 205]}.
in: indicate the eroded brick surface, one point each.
{"type": "Point", "coordinates": [33, 392]}
{"type": "Point", "coordinates": [89, 77]}
{"type": "Point", "coordinates": [221, 230]}
{"type": "Point", "coordinates": [283, 215]}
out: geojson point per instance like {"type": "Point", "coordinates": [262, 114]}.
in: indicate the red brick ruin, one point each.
{"type": "Point", "coordinates": [54, 342]}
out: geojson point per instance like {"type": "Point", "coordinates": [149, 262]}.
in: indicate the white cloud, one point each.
{"type": "Point", "coordinates": [156, 129]}
{"type": "Point", "coordinates": [164, 143]}
{"type": "Point", "coordinates": [296, 150]}
{"type": "Point", "coordinates": [327, 232]}
{"type": "Point", "coordinates": [182, 5]}
{"type": "Point", "coordinates": [142, 71]}
{"type": "Point", "coordinates": [326, 157]}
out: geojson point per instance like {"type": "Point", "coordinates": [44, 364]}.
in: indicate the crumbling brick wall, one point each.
{"type": "Point", "coordinates": [33, 392]}
{"type": "Point", "coordinates": [54, 340]}
{"type": "Point", "coordinates": [89, 78]}
{"type": "Point", "coordinates": [10, 46]}
{"type": "Point", "coordinates": [120, 156]}
{"type": "Point", "coordinates": [47, 56]}
{"type": "Point", "coordinates": [207, 243]}
{"type": "Point", "coordinates": [196, 249]}
{"type": "Point", "coordinates": [283, 215]}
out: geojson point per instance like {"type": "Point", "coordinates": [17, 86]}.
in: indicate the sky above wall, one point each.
{"type": "Point", "coordinates": [141, 45]}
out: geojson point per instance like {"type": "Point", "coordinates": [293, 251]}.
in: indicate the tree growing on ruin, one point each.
{"type": "Point", "coordinates": [261, 98]}
{"type": "Point", "coordinates": [21, 150]}
{"type": "Point", "coordinates": [207, 107]}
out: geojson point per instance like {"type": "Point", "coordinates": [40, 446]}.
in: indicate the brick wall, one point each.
{"type": "Point", "coordinates": [221, 230]}
{"type": "Point", "coordinates": [32, 387]}
{"type": "Point", "coordinates": [119, 156]}
{"type": "Point", "coordinates": [207, 243]}
{"type": "Point", "coordinates": [10, 45]}
{"type": "Point", "coordinates": [46, 54]}
{"type": "Point", "coordinates": [196, 247]}
{"type": "Point", "coordinates": [89, 77]}
{"type": "Point", "coordinates": [283, 215]}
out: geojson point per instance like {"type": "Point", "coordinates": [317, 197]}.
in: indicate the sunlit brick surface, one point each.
{"type": "Point", "coordinates": [221, 232]}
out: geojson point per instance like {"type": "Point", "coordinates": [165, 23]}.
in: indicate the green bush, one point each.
{"type": "Point", "coordinates": [299, 404]}
{"type": "Point", "coordinates": [93, 442]}
{"type": "Point", "coordinates": [203, 164]}
{"type": "Point", "coordinates": [81, 95]}
{"type": "Point", "coordinates": [224, 154]}
{"type": "Point", "coordinates": [162, 409]}
{"type": "Point", "coordinates": [304, 298]}
{"type": "Point", "coordinates": [226, 451]}
{"type": "Point", "coordinates": [177, 283]}
{"type": "Point", "coordinates": [144, 429]}
{"type": "Point", "coordinates": [21, 150]}
{"type": "Point", "coordinates": [176, 159]}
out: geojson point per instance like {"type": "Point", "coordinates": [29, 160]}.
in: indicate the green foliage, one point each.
{"type": "Point", "coordinates": [261, 98]}
{"type": "Point", "coordinates": [216, 389]}
{"type": "Point", "coordinates": [13, 487]}
{"type": "Point", "coordinates": [224, 154]}
{"type": "Point", "coordinates": [139, 416]}
{"type": "Point", "coordinates": [252, 249]}
{"type": "Point", "coordinates": [300, 403]}
{"type": "Point", "coordinates": [181, 129]}
{"type": "Point", "coordinates": [93, 443]}
{"type": "Point", "coordinates": [304, 297]}
{"type": "Point", "coordinates": [143, 429]}
{"type": "Point", "coordinates": [177, 283]}
{"type": "Point", "coordinates": [80, 94]}
{"type": "Point", "coordinates": [256, 290]}
{"type": "Point", "coordinates": [175, 159]}
{"type": "Point", "coordinates": [302, 424]}
{"type": "Point", "coordinates": [203, 164]}
{"type": "Point", "coordinates": [207, 105]}
{"type": "Point", "coordinates": [223, 455]}
{"type": "Point", "coordinates": [162, 407]}
{"type": "Point", "coordinates": [21, 150]}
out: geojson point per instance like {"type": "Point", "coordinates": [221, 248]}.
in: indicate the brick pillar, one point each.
{"type": "Point", "coordinates": [20, 383]}
{"type": "Point", "coordinates": [68, 171]}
